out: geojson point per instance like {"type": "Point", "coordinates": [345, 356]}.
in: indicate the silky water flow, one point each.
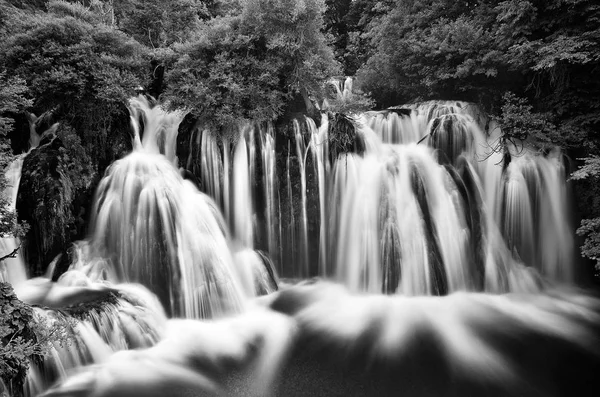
{"type": "Point", "coordinates": [446, 266]}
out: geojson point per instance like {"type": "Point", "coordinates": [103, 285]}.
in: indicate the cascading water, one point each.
{"type": "Point", "coordinates": [96, 319]}
{"type": "Point", "coordinates": [128, 318]}
{"type": "Point", "coordinates": [242, 171]}
{"type": "Point", "coordinates": [427, 208]}
{"type": "Point", "coordinates": [149, 226]}
{"type": "Point", "coordinates": [157, 229]}
{"type": "Point", "coordinates": [12, 269]}
{"type": "Point", "coordinates": [415, 215]}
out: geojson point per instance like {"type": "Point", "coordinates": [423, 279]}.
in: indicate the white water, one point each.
{"type": "Point", "coordinates": [157, 229]}
{"type": "Point", "coordinates": [151, 230]}
{"type": "Point", "coordinates": [401, 218]}
{"type": "Point", "coordinates": [320, 340]}
{"type": "Point", "coordinates": [408, 211]}
{"type": "Point", "coordinates": [371, 227]}
{"type": "Point", "coordinates": [12, 270]}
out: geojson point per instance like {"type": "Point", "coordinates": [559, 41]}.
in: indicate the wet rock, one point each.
{"type": "Point", "coordinates": [51, 202]}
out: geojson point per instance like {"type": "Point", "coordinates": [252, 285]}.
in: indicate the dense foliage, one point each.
{"type": "Point", "coordinates": [77, 67]}
{"type": "Point", "coordinates": [247, 63]}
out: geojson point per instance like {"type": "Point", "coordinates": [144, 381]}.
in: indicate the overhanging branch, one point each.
{"type": "Point", "coordinates": [12, 254]}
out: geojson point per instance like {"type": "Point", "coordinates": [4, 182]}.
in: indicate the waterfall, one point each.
{"type": "Point", "coordinates": [157, 229]}
{"type": "Point", "coordinates": [426, 206]}
{"type": "Point", "coordinates": [430, 206]}
{"type": "Point", "coordinates": [240, 172]}
{"type": "Point", "coordinates": [12, 269]}
{"type": "Point", "coordinates": [151, 230]}
{"type": "Point", "coordinates": [243, 208]}
{"type": "Point", "coordinates": [130, 319]}
{"type": "Point", "coordinates": [471, 222]}
{"type": "Point", "coordinates": [154, 129]}
{"type": "Point", "coordinates": [271, 194]}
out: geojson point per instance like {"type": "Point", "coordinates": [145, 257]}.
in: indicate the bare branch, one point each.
{"type": "Point", "coordinates": [13, 254]}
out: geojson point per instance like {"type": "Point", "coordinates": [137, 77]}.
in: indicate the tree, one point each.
{"type": "Point", "coordinates": [479, 50]}
{"type": "Point", "coordinates": [247, 64]}
{"type": "Point", "coordinates": [347, 23]}
{"type": "Point", "coordinates": [433, 49]}
{"type": "Point", "coordinates": [78, 67]}
{"type": "Point", "coordinates": [82, 72]}
{"type": "Point", "coordinates": [159, 24]}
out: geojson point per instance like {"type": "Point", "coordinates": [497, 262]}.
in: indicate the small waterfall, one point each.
{"type": "Point", "coordinates": [271, 193]}
{"type": "Point", "coordinates": [243, 209]}
{"type": "Point", "coordinates": [12, 269]}
{"type": "Point", "coordinates": [302, 153]}
{"type": "Point", "coordinates": [260, 277]}
{"type": "Point", "coordinates": [534, 214]}
{"type": "Point", "coordinates": [471, 222]}
{"type": "Point", "coordinates": [157, 229]}
{"type": "Point", "coordinates": [154, 129]}
{"type": "Point", "coordinates": [127, 317]}
{"type": "Point", "coordinates": [401, 221]}
{"type": "Point", "coordinates": [210, 167]}
{"type": "Point", "coordinates": [320, 150]}
{"type": "Point", "coordinates": [248, 172]}
{"type": "Point", "coordinates": [395, 127]}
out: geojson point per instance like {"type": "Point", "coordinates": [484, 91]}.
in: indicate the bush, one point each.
{"type": "Point", "coordinates": [24, 337]}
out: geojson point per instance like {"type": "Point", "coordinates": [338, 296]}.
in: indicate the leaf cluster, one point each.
{"type": "Point", "coordinates": [160, 24]}
{"type": "Point", "coordinates": [520, 123]}
{"type": "Point", "coordinates": [590, 229]}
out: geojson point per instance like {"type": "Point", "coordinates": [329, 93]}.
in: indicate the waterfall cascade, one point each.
{"type": "Point", "coordinates": [129, 318]}
{"type": "Point", "coordinates": [427, 207]}
{"type": "Point", "coordinates": [151, 230]}
{"type": "Point", "coordinates": [12, 270]}
{"type": "Point", "coordinates": [431, 206]}
{"type": "Point", "coordinates": [157, 229]}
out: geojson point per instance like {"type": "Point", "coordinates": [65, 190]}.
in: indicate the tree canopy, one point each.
{"type": "Point", "coordinates": [248, 63]}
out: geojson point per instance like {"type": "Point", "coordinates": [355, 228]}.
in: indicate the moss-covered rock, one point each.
{"type": "Point", "coordinates": [54, 191]}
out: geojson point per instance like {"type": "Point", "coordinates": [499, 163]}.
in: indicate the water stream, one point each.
{"type": "Point", "coordinates": [428, 207]}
